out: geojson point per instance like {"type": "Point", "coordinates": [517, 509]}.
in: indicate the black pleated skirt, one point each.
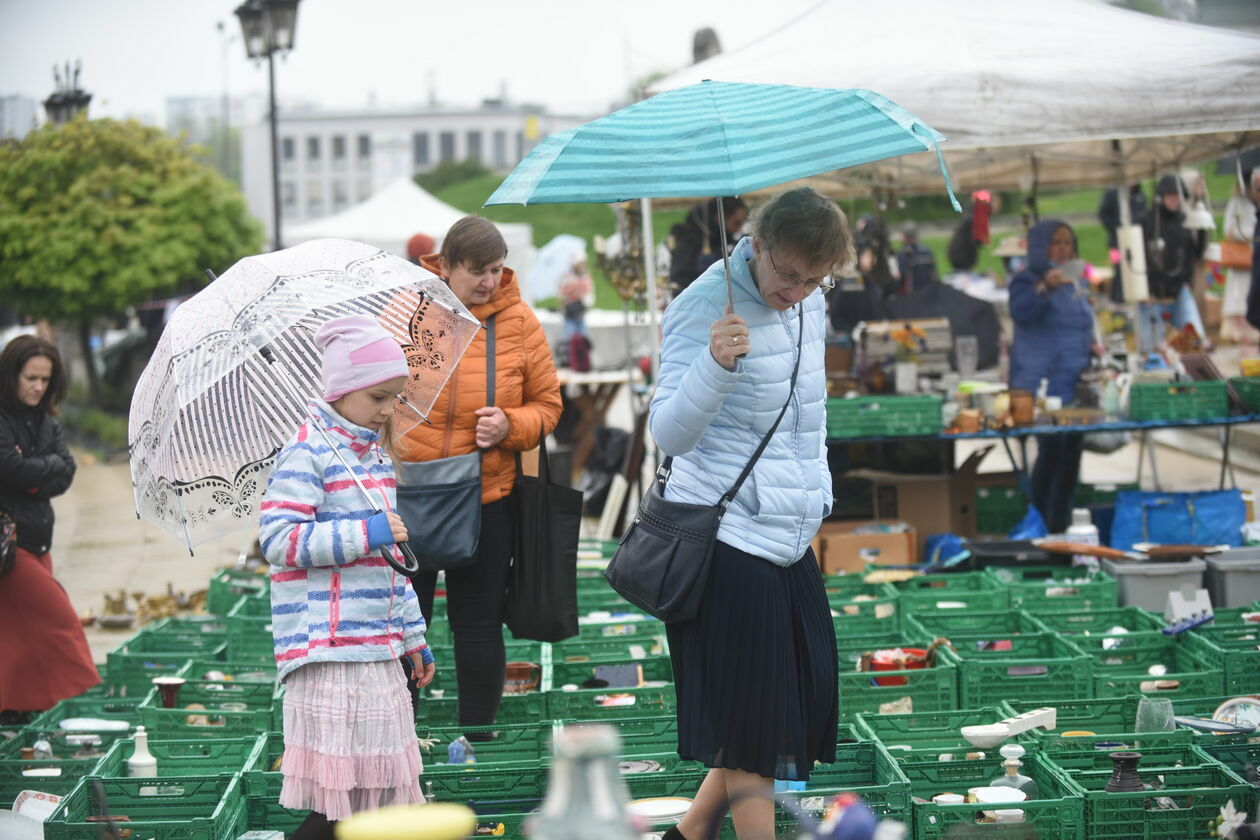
{"type": "Point", "coordinates": [755, 671]}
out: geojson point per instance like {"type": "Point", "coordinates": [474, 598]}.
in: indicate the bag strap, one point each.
{"type": "Point", "coordinates": [662, 475]}
{"type": "Point", "coordinates": [490, 360]}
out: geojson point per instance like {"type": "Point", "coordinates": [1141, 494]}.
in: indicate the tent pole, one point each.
{"type": "Point", "coordinates": [649, 273]}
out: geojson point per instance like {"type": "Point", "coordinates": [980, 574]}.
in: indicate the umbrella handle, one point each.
{"type": "Point", "coordinates": [409, 565]}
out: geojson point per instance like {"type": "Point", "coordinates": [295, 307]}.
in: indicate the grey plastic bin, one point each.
{"type": "Point", "coordinates": [1147, 585]}
{"type": "Point", "coordinates": [1233, 577]}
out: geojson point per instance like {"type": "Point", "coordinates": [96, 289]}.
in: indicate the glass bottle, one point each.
{"type": "Point", "coordinates": [586, 796]}
{"type": "Point", "coordinates": [1012, 777]}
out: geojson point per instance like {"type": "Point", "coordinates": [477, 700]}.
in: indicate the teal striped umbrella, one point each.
{"type": "Point", "coordinates": [716, 138]}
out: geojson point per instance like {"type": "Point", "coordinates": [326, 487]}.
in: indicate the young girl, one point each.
{"type": "Point", "coordinates": [341, 616]}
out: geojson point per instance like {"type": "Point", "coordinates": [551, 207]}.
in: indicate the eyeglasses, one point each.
{"type": "Point", "coordinates": [825, 282]}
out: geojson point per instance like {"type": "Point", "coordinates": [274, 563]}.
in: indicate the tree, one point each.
{"type": "Point", "coordinates": [98, 215]}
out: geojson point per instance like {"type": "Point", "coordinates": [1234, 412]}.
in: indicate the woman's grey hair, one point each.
{"type": "Point", "coordinates": [807, 224]}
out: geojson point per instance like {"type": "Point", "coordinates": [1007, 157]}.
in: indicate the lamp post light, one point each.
{"type": "Point", "coordinates": [267, 27]}
{"type": "Point", "coordinates": [68, 100]}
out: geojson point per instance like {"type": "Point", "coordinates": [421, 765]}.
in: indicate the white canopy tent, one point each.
{"type": "Point", "coordinates": [1070, 93]}
{"type": "Point", "coordinates": [393, 215]}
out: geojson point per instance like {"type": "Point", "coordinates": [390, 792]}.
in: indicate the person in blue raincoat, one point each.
{"type": "Point", "coordinates": [1054, 341]}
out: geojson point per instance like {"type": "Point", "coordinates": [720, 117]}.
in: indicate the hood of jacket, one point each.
{"type": "Point", "coordinates": [1039, 237]}
{"type": "Point", "coordinates": [508, 293]}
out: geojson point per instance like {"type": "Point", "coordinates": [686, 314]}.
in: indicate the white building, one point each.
{"type": "Point", "coordinates": [330, 160]}
{"type": "Point", "coordinates": [18, 115]}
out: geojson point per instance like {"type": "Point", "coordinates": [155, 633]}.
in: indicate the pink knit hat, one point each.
{"type": "Point", "coordinates": [358, 353]}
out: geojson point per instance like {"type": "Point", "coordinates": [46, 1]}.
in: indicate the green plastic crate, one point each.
{"type": "Point", "coordinates": [444, 711]}
{"type": "Point", "coordinates": [1058, 812]}
{"type": "Point", "coordinates": [655, 669]}
{"type": "Point", "coordinates": [598, 626]}
{"type": "Point", "coordinates": [229, 585]}
{"type": "Point", "coordinates": [161, 650]}
{"type": "Point", "coordinates": [1178, 400]}
{"type": "Point", "coordinates": [1090, 495]}
{"type": "Point", "coordinates": [262, 778]}
{"type": "Point", "coordinates": [1022, 667]}
{"type": "Point", "coordinates": [511, 743]}
{"type": "Point", "coordinates": [1235, 650]}
{"type": "Point", "coordinates": [923, 736]}
{"type": "Point", "coordinates": [885, 416]}
{"type": "Point", "coordinates": [972, 624]}
{"type": "Point", "coordinates": [1037, 588]}
{"type": "Point", "coordinates": [599, 704]}
{"type": "Point", "coordinates": [960, 590]}
{"type": "Point", "coordinates": [609, 649]}
{"type": "Point", "coordinates": [865, 609]}
{"type": "Point", "coordinates": [249, 631]}
{"type": "Point", "coordinates": [1248, 390]}
{"type": "Point", "coordinates": [1192, 675]}
{"type": "Point", "coordinates": [263, 710]}
{"type": "Point", "coordinates": [1111, 719]}
{"type": "Point", "coordinates": [248, 671]}
{"type": "Point", "coordinates": [270, 815]}
{"type": "Point", "coordinates": [201, 757]}
{"type": "Point", "coordinates": [1199, 793]}
{"type": "Point", "coordinates": [642, 735]}
{"type": "Point", "coordinates": [1237, 757]}
{"type": "Point", "coordinates": [1091, 632]}
{"type": "Point", "coordinates": [931, 689]}
{"type": "Point", "coordinates": [125, 709]}
{"type": "Point", "coordinates": [999, 509]}
{"type": "Point", "coordinates": [1233, 616]}
{"type": "Point", "coordinates": [70, 769]}
{"type": "Point", "coordinates": [481, 787]}
{"type": "Point", "coordinates": [171, 808]}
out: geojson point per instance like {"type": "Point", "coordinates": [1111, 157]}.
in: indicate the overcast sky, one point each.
{"type": "Point", "coordinates": [572, 55]}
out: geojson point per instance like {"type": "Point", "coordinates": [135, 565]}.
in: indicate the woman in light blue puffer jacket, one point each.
{"type": "Point", "coordinates": [755, 671]}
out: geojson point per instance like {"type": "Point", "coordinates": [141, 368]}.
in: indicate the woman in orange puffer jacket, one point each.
{"type": "Point", "coordinates": [526, 407]}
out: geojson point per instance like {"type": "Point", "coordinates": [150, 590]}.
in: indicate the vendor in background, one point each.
{"type": "Point", "coordinates": [915, 260]}
{"type": "Point", "coordinates": [1240, 224]}
{"type": "Point", "coordinates": [1054, 339]}
{"type": "Point", "coordinates": [1172, 250]}
{"type": "Point", "coordinates": [698, 240]}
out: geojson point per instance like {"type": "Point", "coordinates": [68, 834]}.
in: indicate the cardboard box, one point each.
{"type": "Point", "coordinates": [934, 504]}
{"type": "Point", "coordinates": [843, 551]}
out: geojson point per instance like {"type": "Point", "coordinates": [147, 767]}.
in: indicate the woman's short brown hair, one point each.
{"type": "Point", "coordinates": [807, 224]}
{"type": "Point", "coordinates": [14, 357]}
{"type": "Point", "coordinates": [473, 242]}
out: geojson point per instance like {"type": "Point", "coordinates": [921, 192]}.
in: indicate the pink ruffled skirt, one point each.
{"type": "Point", "coordinates": [349, 739]}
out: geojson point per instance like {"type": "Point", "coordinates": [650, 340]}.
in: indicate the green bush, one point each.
{"type": "Point", "coordinates": [450, 172]}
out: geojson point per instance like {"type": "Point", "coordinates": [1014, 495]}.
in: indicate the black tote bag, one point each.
{"type": "Point", "coordinates": [541, 602]}
{"type": "Point", "coordinates": [440, 500]}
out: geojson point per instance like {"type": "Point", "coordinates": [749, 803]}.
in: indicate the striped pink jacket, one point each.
{"type": "Point", "coordinates": [333, 597]}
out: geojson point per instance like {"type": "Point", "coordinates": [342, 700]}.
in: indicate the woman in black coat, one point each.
{"type": "Point", "coordinates": [47, 658]}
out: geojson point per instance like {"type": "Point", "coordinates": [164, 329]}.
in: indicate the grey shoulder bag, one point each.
{"type": "Point", "coordinates": [440, 501]}
{"type": "Point", "coordinates": [663, 560]}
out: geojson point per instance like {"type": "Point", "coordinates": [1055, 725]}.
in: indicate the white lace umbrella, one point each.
{"type": "Point", "coordinates": [231, 375]}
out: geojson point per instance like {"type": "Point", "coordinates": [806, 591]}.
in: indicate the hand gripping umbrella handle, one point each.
{"type": "Point", "coordinates": [409, 564]}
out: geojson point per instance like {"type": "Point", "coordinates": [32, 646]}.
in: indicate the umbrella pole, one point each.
{"type": "Point", "coordinates": [726, 260]}
{"type": "Point", "coordinates": [410, 565]}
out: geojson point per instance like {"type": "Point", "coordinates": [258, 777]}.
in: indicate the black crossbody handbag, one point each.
{"type": "Point", "coordinates": [440, 501]}
{"type": "Point", "coordinates": [663, 560]}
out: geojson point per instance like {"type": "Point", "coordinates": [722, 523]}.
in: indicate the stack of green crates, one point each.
{"type": "Point", "coordinates": [166, 808]}
{"type": "Point", "coordinates": [229, 585]}
{"type": "Point", "coordinates": [1248, 390]}
{"type": "Point", "coordinates": [249, 630]}
{"type": "Point", "coordinates": [883, 416]}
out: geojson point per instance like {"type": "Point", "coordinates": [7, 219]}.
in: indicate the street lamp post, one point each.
{"type": "Point", "coordinates": [67, 99]}
{"type": "Point", "coordinates": [268, 27]}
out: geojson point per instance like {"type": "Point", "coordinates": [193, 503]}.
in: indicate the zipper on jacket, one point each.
{"type": "Point", "coordinates": [334, 607]}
